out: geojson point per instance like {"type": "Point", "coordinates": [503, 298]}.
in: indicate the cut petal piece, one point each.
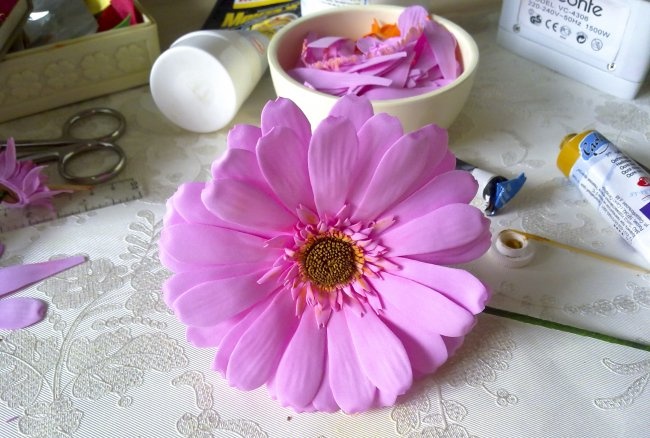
{"type": "Point", "coordinates": [199, 246]}
{"type": "Point", "coordinates": [458, 285]}
{"type": "Point", "coordinates": [301, 368]}
{"type": "Point", "coordinates": [446, 228]}
{"type": "Point", "coordinates": [354, 108]}
{"type": "Point", "coordinates": [284, 112]}
{"type": "Point", "coordinates": [214, 301]}
{"type": "Point", "coordinates": [373, 340]}
{"type": "Point", "coordinates": [332, 159]}
{"type": "Point", "coordinates": [352, 390]}
{"type": "Point", "coordinates": [255, 358]}
{"type": "Point", "coordinates": [21, 312]}
{"type": "Point", "coordinates": [455, 187]}
{"type": "Point", "coordinates": [242, 203]}
{"type": "Point", "coordinates": [16, 277]}
{"type": "Point", "coordinates": [288, 177]}
{"type": "Point", "coordinates": [425, 306]}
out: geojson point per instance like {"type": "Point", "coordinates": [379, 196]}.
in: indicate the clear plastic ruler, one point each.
{"type": "Point", "coordinates": [69, 204]}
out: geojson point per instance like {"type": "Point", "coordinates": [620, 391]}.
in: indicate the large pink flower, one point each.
{"type": "Point", "coordinates": [314, 262]}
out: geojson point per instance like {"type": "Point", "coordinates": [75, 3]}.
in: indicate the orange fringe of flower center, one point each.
{"type": "Point", "coordinates": [383, 31]}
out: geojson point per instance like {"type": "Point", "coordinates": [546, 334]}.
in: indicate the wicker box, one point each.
{"type": "Point", "coordinates": [50, 76]}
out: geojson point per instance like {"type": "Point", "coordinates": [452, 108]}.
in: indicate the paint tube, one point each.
{"type": "Point", "coordinates": [264, 16]}
{"type": "Point", "coordinates": [497, 190]}
{"type": "Point", "coordinates": [614, 183]}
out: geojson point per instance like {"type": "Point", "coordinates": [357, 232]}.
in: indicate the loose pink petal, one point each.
{"type": "Point", "coordinates": [376, 136]}
{"type": "Point", "coordinates": [352, 390]}
{"type": "Point", "coordinates": [441, 230]}
{"type": "Point", "coordinates": [255, 358]}
{"type": "Point", "coordinates": [21, 312]}
{"type": "Point", "coordinates": [241, 203]}
{"type": "Point", "coordinates": [443, 45]}
{"type": "Point", "coordinates": [322, 79]}
{"type": "Point", "coordinates": [373, 340]}
{"type": "Point", "coordinates": [332, 158]}
{"type": "Point", "coordinates": [16, 277]}
{"type": "Point", "coordinates": [422, 303]}
{"type": "Point", "coordinates": [283, 112]}
{"type": "Point", "coordinates": [244, 137]}
{"type": "Point", "coordinates": [355, 109]}
{"type": "Point", "coordinates": [196, 246]}
{"type": "Point", "coordinates": [456, 284]}
{"type": "Point", "coordinates": [214, 301]}
{"type": "Point", "coordinates": [455, 187]}
{"type": "Point", "coordinates": [397, 172]}
{"type": "Point", "coordinates": [287, 177]}
{"type": "Point", "coordinates": [232, 337]}
{"type": "Point", "coordinates": [301, 368]}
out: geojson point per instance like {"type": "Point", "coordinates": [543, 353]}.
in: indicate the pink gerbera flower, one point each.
{"type": "Point", "coordinates": [314, 262]}
{"type": "Point", "coordinates": [22, 182]}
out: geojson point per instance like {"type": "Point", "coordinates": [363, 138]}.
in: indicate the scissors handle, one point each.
{"type": "Point", "coordinates": [70, 155]}
{"type": "Point", "coordinates": [69, 125]}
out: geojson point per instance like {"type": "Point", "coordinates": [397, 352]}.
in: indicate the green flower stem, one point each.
{"type": "Point", "coordinates": [565, 328]}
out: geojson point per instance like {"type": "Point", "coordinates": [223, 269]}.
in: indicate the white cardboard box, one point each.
{"type": "Point", "coordinates": [70, 71]}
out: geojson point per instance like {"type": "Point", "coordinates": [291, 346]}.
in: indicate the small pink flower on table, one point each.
{"type": "Point", "coordinates": [315, 262]}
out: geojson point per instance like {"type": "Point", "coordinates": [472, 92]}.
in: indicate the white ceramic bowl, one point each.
{"type": "Point", "coordinates": [440, 106]}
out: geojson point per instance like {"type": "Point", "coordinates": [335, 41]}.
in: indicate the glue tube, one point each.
{"type": "Point", "coordinates": [612, 182]}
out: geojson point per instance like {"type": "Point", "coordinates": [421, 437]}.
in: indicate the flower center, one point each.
{"type": "Point", "coordinates": [329, 262]}
{"type": "Point", "coordinates": [8, 196]}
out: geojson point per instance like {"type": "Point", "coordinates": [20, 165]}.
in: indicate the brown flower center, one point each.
{"type": "Point", "coordinates": [329, 262]}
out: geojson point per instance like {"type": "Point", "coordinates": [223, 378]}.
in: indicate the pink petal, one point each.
{"type": "Point", "coordinates": [352, 390]}
{"type": "Point", "coordinates": [455, 187]}
{"type": "Point", "coordinates": [283, 112]}
{"type": "Point", "coordinates": [301, 368]}
{"type": "Point", "coordinates": [244, 137]}
{"type": "Point", "coordinates": [332, 159]}
{"type": "Point", "coordinates": [239, 164]}
{"type": "Point", "coordinates": [181, 282]}
{"type": "Point", "coordinates": [232, 337]}
{"type": "Point", "coordinates": [381, 354]}
{"type": "Point", "coordinates": [461, 254]}
{"type": "Point", "coordinates": [327, 80]}
{"type": "Point", "coordinates": [195, 246]}
{"type": "Point", "coordinates": [21, 312]}
{"type": "Point", "coordinates": [395, 176]}
{"type": "Point", "coordinates": [376, 136]}
{"type": "Point", "coordinates": [186, 202]}
{"type": "Point", "coordinates": [354, 108]}
{"type": "Point", "coordinates": [324, 399]}
{"type": "Point", "coordinates": [214, 301]}
{"type": "Point", "coordinates": [425, 306]}
{"type": "Point", "coordinates": [255, 358]}
{"type": "Point", "coordinates": [443, 44]}
{"type": "Point", "coordinates": [444, 229]}
{"type": "Point", "coordinates": [210, 336]}
{"type": "Point", "coordinates": [288, 176]}
{"type": "Point", "coordinates": [16, 277]}
{"type": "Point", "coordinates": [458, 285]}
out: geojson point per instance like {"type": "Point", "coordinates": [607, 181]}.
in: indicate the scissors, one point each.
{"type": "Point", "coordinates": [69, 147]}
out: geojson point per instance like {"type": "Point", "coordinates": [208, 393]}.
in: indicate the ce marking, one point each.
{"type": "Point", "coordinates": [551, 26]}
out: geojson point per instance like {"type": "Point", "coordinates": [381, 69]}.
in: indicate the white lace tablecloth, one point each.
{"type": "Point", "coordinates": [111, 361]}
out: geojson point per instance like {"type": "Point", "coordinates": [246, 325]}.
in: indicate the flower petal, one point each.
{"type": "Point", "coordinates": [244, 137]}
{"type": "Point", "coordinates": [324, 399]}
{"type": "Point", "coordinates": [288, 177]}
{"type": "Point", "coordinates": [353, 108]}
{"type": "Point", "coordinates": [458, 285]}
{"type": "Point", "coordinates": [21, 312]}
{"type": "Point", "coordinates": [301, 368]}
{"type": "Point", "coordinates": [441, 230]}
{"type": "Point", "coordinates": [239, 164]}
{"type": "Point", "coordinates": [373, 340]}
{"type": "Point", "coordinates": [461, 254]}
{"type": "Point", "coordinates": [455, 187]}
{"type": "Point", "coordinates": [284, 112]}
{"type": "Point", "coordinates": [256, 356]}
{"type": "Point", "coordinates": [210, 336]}
{"type": "Point", "coordinates": [424, 304]}
{"type": "Point", "coordinates": [351, 388]}
{"type": "Point", "coordinates": [214, 301]}
{"type": "Point", "coordinates": [16, 277]}
{"type": "Point", "coordinates": [397, 172]}
{"type": "Point", "coordinates": [241, 203]}
{"type": "Point", "coordinates": [332, 159]}
{"type": "Point", "coordinates": [186, 247]}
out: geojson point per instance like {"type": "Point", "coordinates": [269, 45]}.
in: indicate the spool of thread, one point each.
{"type": "Point", "coordinates": [202, 80]}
